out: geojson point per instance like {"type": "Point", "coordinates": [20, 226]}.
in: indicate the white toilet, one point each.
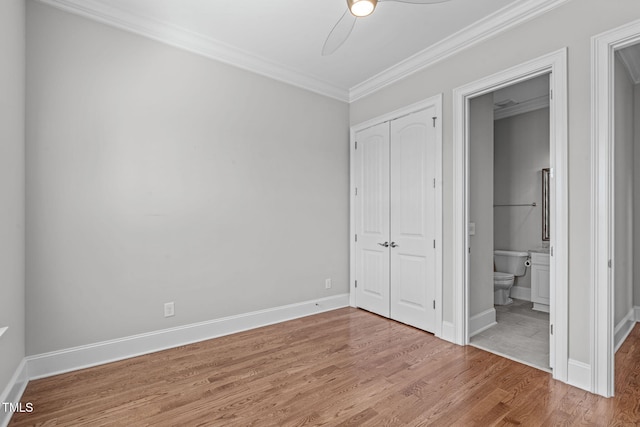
{"type": "Point", "coordinates": [508, 265]}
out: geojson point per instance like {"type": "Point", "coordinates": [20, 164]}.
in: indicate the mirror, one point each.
{"type": "Point", "coordinates": [546, 214]}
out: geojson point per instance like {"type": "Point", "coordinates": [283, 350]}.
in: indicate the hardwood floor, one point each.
{"type": "Point", "coordinates": [345, 367]}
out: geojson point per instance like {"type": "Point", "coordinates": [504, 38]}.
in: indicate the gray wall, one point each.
{"type": "Point", "coordinates": [156, 175]}
{"type": "Point", "coordinates": [556, 29]}
{"type": "Point", "coordinates": [481, 203]}
{"type": "Point", "coordinates": [636, 193]}
{"type": "Point", "coordinates": [12, 69]}
{"type": "Point", "coordinates": [521, 152]}
{"type": "Point", "coordinates": [623, 192]}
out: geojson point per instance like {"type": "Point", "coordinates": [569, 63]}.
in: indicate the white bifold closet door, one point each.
{"type": "Point", "coordinates": [395, 219]}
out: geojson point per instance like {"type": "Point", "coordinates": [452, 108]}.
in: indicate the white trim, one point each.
{"type": "Point", "coordinates": [58, 362]}
{"type": "Point", "coordinates": [636, 310]}
{"type": "Point", "coordinates": [502, 20]}
{"type": "Point", "coordinates": [522, 107]}
{"type": "Point", "coordinates": [603, 203]}
{"type": "Point", "coordinates": [13, 391]}
{"type": "Point", "coordinates": [3, 330]}
{"type": "Point", "coordinates": [197, 43]}
{"type": "Point", "coordinates": [448, 332]}
{"type": "Point", "coordinates": [435, 102]}
{"type": "Point", "coordinates": [521, 293]}
{"type": "Point", "coordinates": [482, 321]}
{"type": "Point", "coordinates": [623, 329]}
{"type": "Point", "coordinates": [554, 63]}
{"type": "Point", "coordinates": [578, 374]}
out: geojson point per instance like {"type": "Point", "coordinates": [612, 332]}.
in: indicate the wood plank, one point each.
{"type": "Point", "coordinates": [344, 367]}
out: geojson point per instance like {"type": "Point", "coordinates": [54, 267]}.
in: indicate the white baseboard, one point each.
{"type": "Point", "coordinates": [482, 321]}
{"type": "Point", "coordinates": [13, 392]}
{"type": "Point", "coordinates": [520, 292]}
{"type": "Point", "coordinates": [579, 374]}
{"type": "Point", "coordinates": [58, 362]}
{"type": "Point", "coordinates": [448, 332]}
{"type": "Point", "coordinates": [623, 329]}
{"type": "Point", "coordinates": [637, 313]}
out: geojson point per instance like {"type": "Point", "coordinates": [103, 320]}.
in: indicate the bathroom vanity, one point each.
{"type": "Point", "coordinates": [540, 281]}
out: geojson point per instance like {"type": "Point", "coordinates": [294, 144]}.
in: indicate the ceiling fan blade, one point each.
{"type": "Point", "coordinates": [339, 34]}
{"type": "Point", "coordinates": [417, 1]}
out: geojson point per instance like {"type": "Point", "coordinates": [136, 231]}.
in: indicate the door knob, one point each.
{"type": "Point", "coordinates": [393, 245]}
{"type": "Point", "coordinates": [385, 244]}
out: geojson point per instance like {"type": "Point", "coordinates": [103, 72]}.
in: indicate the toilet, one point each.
{"type": "Point", "coordinates": [508, 266]}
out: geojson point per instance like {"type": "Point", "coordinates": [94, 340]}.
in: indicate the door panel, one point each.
{"type": "Point", "coordinates": [413, 218]}
{"type": "Point", "coordinates": [372, 219]}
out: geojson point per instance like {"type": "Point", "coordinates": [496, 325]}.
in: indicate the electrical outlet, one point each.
{"type": "Point", "coordinates": [169, 309]}
{"type": "Point", "coordinates": [327, 284]}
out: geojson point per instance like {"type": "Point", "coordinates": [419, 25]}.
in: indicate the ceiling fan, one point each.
{"type": "Point", "coordinates": [357, 9]}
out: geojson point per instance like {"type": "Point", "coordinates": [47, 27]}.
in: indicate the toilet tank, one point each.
{"type": "Point", "coordinates": [510, 262]}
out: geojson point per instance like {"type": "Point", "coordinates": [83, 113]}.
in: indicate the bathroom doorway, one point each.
{"type": "Point", "coordinates": [475, 105]}
{"type": "Point", "coordinates": [509, 161]}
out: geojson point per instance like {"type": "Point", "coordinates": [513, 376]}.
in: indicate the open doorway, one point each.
{"type": "Point", "coordinates": [614, 133]}
{"type": "Point", "coordinates": [509, 233]}
{"type": "Point", "coordinates": [553, 65]}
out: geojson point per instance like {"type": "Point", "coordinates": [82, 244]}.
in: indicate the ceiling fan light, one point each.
{"type": "Point", "coordinates": [361, 8]}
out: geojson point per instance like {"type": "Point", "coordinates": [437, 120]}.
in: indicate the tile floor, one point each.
{"type": "Point", "coordinates": [522, 334]}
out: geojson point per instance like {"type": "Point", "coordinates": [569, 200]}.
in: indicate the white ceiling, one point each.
{"type": "Point", "coordinates": [283, 38]}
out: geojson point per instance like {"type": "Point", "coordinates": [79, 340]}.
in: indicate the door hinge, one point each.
{"type": "Point", "coordinates": [356, 237]}
{"type": "Point", "coordinates": [434, 121]}
{"type": "Point", "coordinates": [609, 263]}
{"type": "Point", "coordinates": [434, 304]}
{"type": "Point", "coordinates": [356, 191]}
{"type": "Point", "coordinates": [356, 283]}
{"type": "Point", "coordinates": [551, 94]}
{"type": "Point", "coordinates": [434, 244]}
{"type": "Point", "coordinates": [551, 330]}
{"type": "Point", "coordinates": [551, 251]}
{"type": "Point", "coordinates": [434, 183]}
{"type": "Point", "coordinates": [356, 145]}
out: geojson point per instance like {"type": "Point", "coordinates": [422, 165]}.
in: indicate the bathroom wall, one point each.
{"type": "Point", "coordinates": [623, 192]}
{"type": "Point", "coordinates": [481, 204]}
{"type": "Point", "coordinates": [521, 152]}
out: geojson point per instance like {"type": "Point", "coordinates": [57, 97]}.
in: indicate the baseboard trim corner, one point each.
{"type": "Point", "coordinates": [448, 332]}
{"type": "Point", "coordinates": [13, 392]}
{"type": "Point", "coordinates": [482, 321]}
{"type": "Point", "coordinates": [86, 356]}
{"type": "Point", "coordinates": [624, 328]}
{"type": "Point", "coordinates": [579, 374]}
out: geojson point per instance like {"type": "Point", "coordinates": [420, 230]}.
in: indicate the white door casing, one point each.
{"type": "Point", "coordinates": [372, 219]}
{"type": "Point", "coordinates": [603, 47]}
{"type": "Point", "coordinates": [413, 219]}
{"type": "Point", "coordinates": [554, 64]}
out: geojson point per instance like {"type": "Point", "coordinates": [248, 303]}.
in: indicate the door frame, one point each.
{"type": "Point", "coordinates": [554, 63]}
{"type": "Point", "coordinates": [436, 102]}
{"type": "Point", "coordinates": [603, 47]}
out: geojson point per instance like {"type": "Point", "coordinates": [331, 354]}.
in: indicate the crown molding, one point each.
{"type": "Point", "coordinates": [632, 63]}
{"type": "Point", "coordinates": [502, 20]}
{"type": "Point", "coordinates": [522, 107]}
{"type": "Point", "coordinates": [196, 43]}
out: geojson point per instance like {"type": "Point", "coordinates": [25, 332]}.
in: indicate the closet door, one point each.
{"type": "Point", "coordinates": [413, 219]}
{"type": "Point", "coordinates": [372, 219]}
